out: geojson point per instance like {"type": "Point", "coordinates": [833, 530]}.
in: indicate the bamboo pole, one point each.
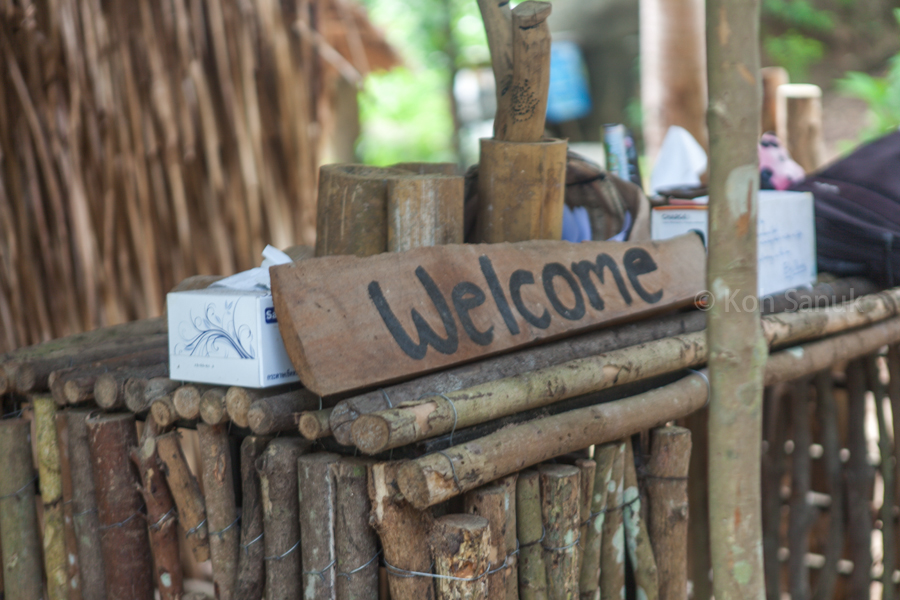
{"type": "Point", "coordinates": [221, 508]}
{"type": "Point", "coordinates": [161, 517]}
{"type": "Point", "coordinates": [460, 547]}
{"type": "Point", "coordinates": [496, 503]}
{"type": "Point", "coordinates": [859, 476]}
{"type": "Point", "coordinates": [18, 522]}
{"type": "Point", "coordinates": [186, 493]}
{"type": "Point", "coordinates": [50, 476]}
{"type": "Point", "coordinates": [667, 494]}
{"type": "Point", "coordinates": [637, 539]}
{"type": "Point", "coordinates": [251, 567]}
{"type": "Point", "coordinates": [281, 517]}
{"type": "Point", "coordinates": [356, 545]}
{"type": "Point", "coordinates": [612, 552]}
{"type": "Point", "coordinates": [560, 508]}
{"type": "Point", "coordinates": [317, 523]}
{"type": "Point", "coordinates": [120, 508]}
{"type": "Point", "coordinates": [72, 558]}
{"type": "Point", "coordinates": [530, 530]}
{"type": "Point", "coordinates": [589, 577]}
{"type": "Point", "coordinates": [84, 507]}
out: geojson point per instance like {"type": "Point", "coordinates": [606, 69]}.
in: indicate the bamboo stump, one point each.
{"type": "Point", "coordinates": [496, 502]}
{"type": "Point", "coordinates": [356, 545]}
{"type": "Point", "coordinates": [521, 187]}
{"type": "Point", "coordinates": [589, 576]}
{"type": "Point", "coordinates": [460, 546]}
{"type": "Point", "coordinates": [560, 510]}
{"type": "Point", "coordinates": [221, 509]}
{"type": "Point", "coordinates": [72, 562]}
{"type": "Point", "coordinates": [667, 473]}
{"type": "Point", "coordinates": [317, 523]}
{"type": "Point", "coordinates": [281, 517]}
{"type": "Point", "coordinates": [186, 493]}
{"type": "Point", "coordinates": [251, 576]}
{"type": "Point", "coordinates": [123, 530]}
{"type": "Point", "coordinates": [802, 130]}
{"type": "Point", "coordinates": [19, 538]}
{"type": "Point", "coordinates": [424, 210]}
{"type": "Point", "coordinates": [51, 495]}
{"type": "Point", "coordinates": [84, 507]}
{"type": "Point", "coordinates": [530, 530]}
{"type": "Point", "coordinates": [403, 531]}
{"type": "Point", "coordinates": [161, 517]}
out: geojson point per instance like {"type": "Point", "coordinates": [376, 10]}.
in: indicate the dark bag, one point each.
{"type": "Point", "coordinates": [857, 206]}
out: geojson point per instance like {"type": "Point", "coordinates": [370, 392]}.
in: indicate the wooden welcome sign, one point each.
{"type": "Point", "coordinates": [351, 322]}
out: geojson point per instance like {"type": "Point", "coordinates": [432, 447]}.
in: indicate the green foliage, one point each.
{"type": "Point", "coordinates": [795, 52]}
{"type": "Point", "coordinates": [800, 14]}
{"type": "Point", "coordinates": [881, 94]}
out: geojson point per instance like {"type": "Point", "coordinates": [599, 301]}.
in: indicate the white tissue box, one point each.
{"type": "Point", "coordinates": [226, 337]}
{"type": "Point", "coordinates": [786, 236]}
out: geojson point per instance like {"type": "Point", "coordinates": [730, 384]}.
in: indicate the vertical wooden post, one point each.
{"type": "Point", "coordinates": [51, 497]}
{"type": "Point", "coordinates": [560, 509]}
{"type": "Point", "coordinates": [186, 492]}
{"type": "Point", "coordinates": [84, 507]}
{"type": "Point", "coordinates": [72, 559]}
{"type": "Point", "coordinates": [251, 576]}
{"type": "Point", "coordinates": [888, 527]}
{"type": "Point", "coordinates": [772, 472]}
{"type": "Point", "coordinates": [317, 523]}
{"type": "Point", "coordinates": [772, 77]}
{"type": "Point", "coordinates": [424, 210]}
{"type": "Point", "coordinates": [221, 510]}
{"type": "Point", "coordinates": [637, 540]}
{"type": "Point", "coordinates": [612, 551]}
{"type": "Point", "coordinates": [356, 546]}
{"type": "Point", "coordinates": [496, 502]}
{"type": "Point", "coordinates": [859, 476]}
{"type": "Point", "coordinates": [21, 547]}
{"type": "Point", "coordinates": [588, 470]}
{"type": "Point", "coordinates": [801, 130]}
{"type": "Point", "coordinates": [893, 363]}
{"type": "Point", "coordinates": [673, 70]}
{"type": "Point", "coordinates": [801, 515]}
{"type": "Point", "coordinates": [737, 350]}
{"type": "Point", "coordinates": [699, 559]}
{"type": "Point", "coordinates": [530, 529]}
{"type": "Point", "coordinates": [831, 446]}
{"type": "Point", "coordinates": [667, 493]}
{"type": "Point", "coordinates": [460, 547]}
{"type": "Point", "coordinates": [589, 579]}
{"type": "Point", "coordinates": [123, 529]}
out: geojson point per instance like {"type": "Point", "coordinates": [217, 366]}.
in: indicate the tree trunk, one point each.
{"type": "Point", "coordinates": [736, 347]}
{"type": "Point", "coordinates": [251, 576]}
{"type": "Point", "coordinates": [51, 497]}
{"type": "Point", "coordinates": [221, 509]}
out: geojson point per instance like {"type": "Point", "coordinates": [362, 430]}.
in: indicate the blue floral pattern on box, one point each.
{"type": "Point", "coordinates": [211, 335]}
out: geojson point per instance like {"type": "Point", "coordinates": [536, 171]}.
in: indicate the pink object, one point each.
{"type": "Point", "coordinates": [777, 170]}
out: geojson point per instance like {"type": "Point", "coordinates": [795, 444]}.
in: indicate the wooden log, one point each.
{"type": "Point", "coordinates": [496, 503]}
{"type": "Point", "coordinates": [186, 493]}
{"type": "Point", "coordinates": [560, 509]}
{"type": "Point", "coordinates": [123, 538]}
{"type": "Point", "coordinates": [162, 409]}
{"type": "Point", "coordinates": [212, 406]}
{"type": "Point", "coordinates": [109, 388]}
{"type": "Point", "coordinates": [772, 79]}
{"type": "Point", "coordinates": [887, 468]}
{"type": "Point", "coordinates": [530, 530]}
{"type": "Point", "coordinates": [317, 524]}
{"type": "Point", "coordinates": [161, 517]}
{"type": "Point", "coordinates": [403, 531]}
{"type": "Point", "coordinates": [221, 508]}
{"type": "Point", "coordinates": [509, 365]}
{"type": "Point", "coordinates": [588, 470]}
{"type": "Point", "coordinates": [352, 211]}
{"type": "Point", "coordinates": [859, 476]}
{"type": "Point", "coordinates": [637, 539]}
{"type": "Point", "coordinates": [251, 575]}
{"type": "Point", "coordinates": [531, 74]}
{"type": "Point", "coordinates": [521, 186]}
{"type": "Point", "coordinates": [76, 384]}
{"type": "Point", "coordinates": [356, 545]}
{"type": "Point", "coordinates": [801, 132]}
{"type": "Point", "coordinates": [280, 413]}
{"type": "Point", "coordinates": [314, 424]}
{"type": "Point", "coordinates": [33, 373]}
{"type": "Point", "coordinates": [186, 400]}
{"type": "Point", "coordinates": [21, 546]}
{"type": "Point", "coordinates": [50, 477]}
{"type": "Point", "coordinates": [612, 551]}
{"type": "Point", "coordinates": [497, 19]}
{"type": "Point", "coordinates": [801, 515]}
{"type": "Point", "coordinates": [831, 446]}
{"type": "Point", "coordinates": [392, 428]}
{"type": "Point", "coordinates": [140, 393]}
{"type": "Point", "coordinates": [71, 544]}
{"type": "Point", "coordinates": [667, 494]}
{"type": "Point", "coordinates": [315, 324]}
{"type": "Point", "coordinates": [429, 480]}
{"type": "Point", "coordinates": [238, 400]}
{"type": "Point", "coordinates": [424, 210]}
{"type": "Point", "coordinates": [281, 517]}
{"type": "Point", "coordinates": [589, 576]}
{"type": "Point", "coordinates": [460, 546]}
{"type": "Point", "coordinates": [84, 506]}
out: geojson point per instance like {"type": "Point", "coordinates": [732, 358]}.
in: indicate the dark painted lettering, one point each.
{"type": "Point", "coordinates": [426, 334]}
{"type": "Point", "coordinates": [516, 281]}
{"type": "Point", "coordinates": [551, 271]}
{"type": "Point", "coordinates": [487, 268]}
{"type": "Point", "coordinates": [466, 296]}
{"type": "Point", "coordinates": [638, 261]}
{"type": "Point", "coordinates": [583, 270]}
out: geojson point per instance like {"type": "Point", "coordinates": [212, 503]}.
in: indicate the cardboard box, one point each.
{"type": "Point", "coordinates": [786, 235]}
{"type": "Point", "coordinates": [226, 337]}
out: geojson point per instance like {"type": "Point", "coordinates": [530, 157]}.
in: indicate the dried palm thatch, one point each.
{"type": "Point", "coordinates": [145, 141]}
